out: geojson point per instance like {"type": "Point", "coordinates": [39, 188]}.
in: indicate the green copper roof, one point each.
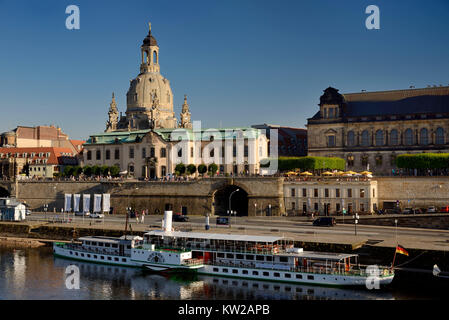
{"type": "Point", "coordinates": [172, 135]}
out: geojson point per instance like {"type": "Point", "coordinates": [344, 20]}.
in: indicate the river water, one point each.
{"type": "Point", "coordinates": [34, 273]}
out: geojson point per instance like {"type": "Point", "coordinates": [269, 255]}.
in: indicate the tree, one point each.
{"type": "Point", "coordinates": [105, 170]}
{"type": "Point", "coordinates": [77, 170]}
{"type": "Point", "coordinates": [212, 169]}
{"type": "Point", "coordinates": [202, 169]}
{"type": "Point", "coordinates": [180, 168]}
{"type": "Point", "coordinates": [191, 169]}
{"type": "Point", "coordinates": [307, 163]}
{"type": "Point", "coordinates": [87, 170]}
{"type": "Point", "coordinates": [68, 171]}
{"type": "Point", "coordinates": [115, 171]}
{"type": "Point", "coordinates": [96, 170]}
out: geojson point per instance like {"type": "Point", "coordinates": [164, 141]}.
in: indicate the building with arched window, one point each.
{"type": "Point", "coordinates": [149, 141]}
{"type": "Point", "coordinates": [371, 129]}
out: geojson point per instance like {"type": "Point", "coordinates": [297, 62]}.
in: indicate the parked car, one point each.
{"type": "Point", "coordinates": [417, 211]}
{"type": "Point", "coordinates": [444, 209]}
{"type": "Point", "coordinates": [431, 209]}
{"type": "Point", "coordinates": [97, 215]}
{"type": "Point", "coordinates": [180, 218]}
{"type": "Point", "coordinates": [325, 221]}
{"type": "Point", "coordinates": [223, 221]}
{"type": "Point", "coordinates": [86, 214]}
{"type": "Point", "coordinates": [407, 211]}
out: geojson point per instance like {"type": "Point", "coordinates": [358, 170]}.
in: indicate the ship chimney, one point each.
{"type": "Point", "coordinates": [167, 223]}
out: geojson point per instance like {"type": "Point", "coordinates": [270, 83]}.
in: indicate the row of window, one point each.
{"type": "Point", "coordinates": [88, 255]}
{"type": "Point", "coordinates": [152, 153]}
{"type": "Point", "coordinates": [394, 138]}
{"type": "Point", "coordinates": [327, 207]}
{"type": "Point", "coordinates": [285, 275]}
{"type": "Point", "coordinates": [364, 160]}
{"type": "Point", "coordinates": [250, 257]}
{"type": "Point", "coordinates": [327, 193]}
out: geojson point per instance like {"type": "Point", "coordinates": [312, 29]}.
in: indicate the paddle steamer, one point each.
{"type": "Point", "coordinates": [242, 256]}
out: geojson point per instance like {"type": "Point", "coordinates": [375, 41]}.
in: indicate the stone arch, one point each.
{"type": "Point", "coordinates": [4, 193]}
{"type": "Point", "coordinates": [239, 200]}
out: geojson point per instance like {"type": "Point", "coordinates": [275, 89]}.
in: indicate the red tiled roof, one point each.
{"type": "Point", "coordinates": [57, 155]}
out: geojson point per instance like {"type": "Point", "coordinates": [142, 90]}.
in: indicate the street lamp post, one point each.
{"type": "Point", "coordinates": [255, 209]}
{"type": "Point", "coordinates": [356, 220]}
{"type": "Point", "coordinates": [396, 229]}
{"type": "Point", "coordinates": [230, 210]}
{"type": "Point", "coordinates": [45, 210]}
{"type": "Point", "coordinates": [269, 210]}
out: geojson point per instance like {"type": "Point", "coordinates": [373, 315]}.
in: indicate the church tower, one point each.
{"type": "Point", "coordinates": [150, 54]}
{"type": "Point", "coordinates": [111, 124]}
{"type": "Point", "coordinates": [185, 115]}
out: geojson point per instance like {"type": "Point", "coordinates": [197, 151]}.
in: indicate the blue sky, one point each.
{"type": "Point", "coordinates": [240, 62]}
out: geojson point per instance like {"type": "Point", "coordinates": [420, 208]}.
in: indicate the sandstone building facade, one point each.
{"type": "Point", "coordinates": [148, 141]}
{"type": "Point", "coordinates": [370, 129]}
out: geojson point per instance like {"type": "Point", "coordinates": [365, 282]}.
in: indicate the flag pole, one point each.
{"type": "Point", "coordinates": [394, 258]}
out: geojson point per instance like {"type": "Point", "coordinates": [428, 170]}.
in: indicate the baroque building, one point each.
{"type": "Point", "coordinates": [148, 142]}
{"type": "Point", "coordinates": [370, 129]}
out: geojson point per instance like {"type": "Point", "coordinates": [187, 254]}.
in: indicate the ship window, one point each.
{"type": "Point", "coordinates": [76, 253]}
{"type": "Point", "coordinates": [255, 285]}
{"type": "Point", "coordinates": [215, 269]}
{"type": "Point", "coordinates": [249, 257]}
{"type": "Point", "coordinates": [240, 256]}
{"type": "Point", "coordinates": [82, 254]}
{"type": "Point", "coordinates": [225, 270]}
{"type": "Point", "coordinates": [298, 289]}
{"type": "Point", "coordinates": [128, 247]}
{"type": "Point", "coordinates": [245, 271]}
{"type": "Point", "coordinates": [287, 275]}
{"type": "Point", "coordinates": [115, 259]}
{"type": "Point", "coordinates": [88, 255]}
{"type": "Point", "coordinates": [220, 255]}
{"type": "Point", "coordinates": [266, 274]}
{"type": "Point", "coordinates": [109, 258]}
{"type": "Point", "coordinates": [123, 259]}
{"type": "Point", "coordinates": [283, 259]}
{"type": "Point", "coordinates": [114, 245]}
{"type": "Point", "coordinates": [310, 277]}
{"type": "Point", "coordinates": [255, 273]}
{"type": "Point", "coordinates": [310, 291]}
{"type": "Point", "coordinates": [265, 286]}
{"type": "Point", "coordinates": [230, 255]}
{"type": "Point", "coordinates": [259, 258]}
{"type": "Point", "coordinates": [235, 271]}
{"type": "Point", "coordinates": [100, 244]}
{"type": "Point", "coordinates": [299, 276]}
{"type": "Point", "coordinates": [107, 245]}
{"type": "Point", "coordinates": [277, 288]}
{"type": "Point", "coordinates": [269, 258]}
{"type": "Point", "coordinates": [245, 284]}
{"type": "Point", "coordinates": [94, 243]}
{"type": "Point", "coordinates": [87, 242]}
{"type": "Point", "coordinates": [277, 274]}
{"type": "Point", "coordinates": [95, 256]}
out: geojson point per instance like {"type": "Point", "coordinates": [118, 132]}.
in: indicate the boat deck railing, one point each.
{"type": "Point", "coordinates": [77, 247]}
{"type": "Point", "coordinates": [193, 262]}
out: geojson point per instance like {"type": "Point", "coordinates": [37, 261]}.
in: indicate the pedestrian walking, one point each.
{"type": "Point", "coordinates": [142, 217]}
{"type": "Point", "coordinates": [137, 216]}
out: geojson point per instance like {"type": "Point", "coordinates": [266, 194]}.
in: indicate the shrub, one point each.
{"type": "Point", "coordinates": [114, 170]}
{"type": "Point", "coordinates": [180, 169]}
{"type": "Point", "coordinates": [308, 163]}
{"type": "Point", "coordinates": [202, 169]}
{"type": "Point", "coordinates": [423, 161]}
{"type": "Point", "coordinates": [212, 169]}
{"type": "Point", "coordinates": [191, 169]}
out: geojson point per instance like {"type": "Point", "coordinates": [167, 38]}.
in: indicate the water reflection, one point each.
{"type": "Point", "coordinates": [36, 274]}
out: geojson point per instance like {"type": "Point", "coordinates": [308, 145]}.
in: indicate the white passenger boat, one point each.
{"type": "Point", "coordinates": [242, 256]}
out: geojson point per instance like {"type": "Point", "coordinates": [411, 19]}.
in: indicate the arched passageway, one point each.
{"type": "Point", "coordinates": [4, 193]}
{"type": "Point", "coordinates": [230, 195]}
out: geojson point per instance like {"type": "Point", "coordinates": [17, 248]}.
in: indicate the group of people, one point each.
{"type": "Point", "coordinates": [140, 218]}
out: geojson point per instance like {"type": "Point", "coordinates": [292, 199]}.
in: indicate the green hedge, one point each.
{"type": "Point", "coordinates": [309, 163]}
{"type": "Point", "coordinates": [423, 161]}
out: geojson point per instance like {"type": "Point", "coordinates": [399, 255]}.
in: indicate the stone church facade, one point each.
{"type": "Point", "coordinates": [370, 129]}
{"type": "Point", "coordinates": [148, 141]}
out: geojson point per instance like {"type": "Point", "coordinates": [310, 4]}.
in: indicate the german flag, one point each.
{"type": "Point", "coordinates": [401, 250]}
